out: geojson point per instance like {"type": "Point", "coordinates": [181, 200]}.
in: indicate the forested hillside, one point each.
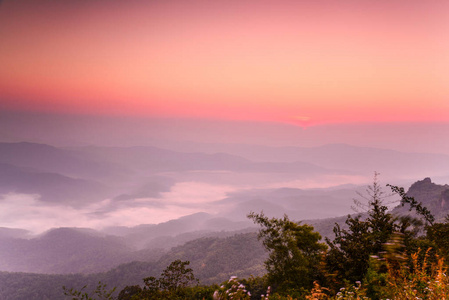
{"type": "Point", "coordinates": [376, 254]}
{"type": "Point", "coordinates": [212, 259]}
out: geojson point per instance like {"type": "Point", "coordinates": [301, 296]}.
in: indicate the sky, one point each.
{"type": "Point", "coordinates": [296, 62]}
{"type": "Point", "coordinates": [196, 75]}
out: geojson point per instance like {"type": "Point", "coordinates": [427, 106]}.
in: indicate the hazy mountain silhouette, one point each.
{"type": "Point", "coordinates": [63, 250]}
{"type": "Point", "coordinates": [82, 250]}
{"type": "Point", "coordinates": [153, 159]}
{"type": "Point", "coordinates": [299, 204]}
{"type": "Point", "coordinates": [68, 250]}
{"type": "Point", "coordinates": [55, 160]}
{"type": "Point", "coordinates": [51, 187]}
{"type": "Point", "coordinates": [153, 235]}
{"type": "Point", "coordinates": [389, 163]}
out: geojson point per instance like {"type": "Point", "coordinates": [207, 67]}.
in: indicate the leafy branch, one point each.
{"type": "Point", "coordinates": [420, 209]}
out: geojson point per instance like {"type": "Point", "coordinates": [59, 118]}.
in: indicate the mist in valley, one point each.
{"type": "Point", "coordinates": [47, 184]}
{"type": "Point", "coordinates": [137, 133]}
{"type": "Point", "coordinates": [113, 189]}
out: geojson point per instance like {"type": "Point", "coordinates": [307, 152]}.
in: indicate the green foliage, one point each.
{"type": "Point", "coordinates": [390, 260]}
{"type": "Point", "coordinates": [348, 257]}
{"type": "Point", "coordinates": [438, 235]}
{"type": "Point", "coordinates": [215, 259]}
{"type": "Point", "coordinates": [350, 251]}
{"type": "Point", "coordinates": [257, 285]}
{"type": "Point", "coordinates": [294, 252]}
{"type": "Point", "coordinates": [200, 292]}
{"type": "Point", "coordinates": [378, 251]}
{"type": "Point", "coordinates": [376, 247]}
{"type": "Point", "coordinates": [188, 292]}
{"type": "Point", "coordinates": [176, 276]}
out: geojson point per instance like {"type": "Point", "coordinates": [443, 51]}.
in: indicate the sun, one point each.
{"type": "Point", "coordinates": [302, 121]}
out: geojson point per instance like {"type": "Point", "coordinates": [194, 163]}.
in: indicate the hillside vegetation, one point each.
{"type": "Point", "coordinates": [375, 254]}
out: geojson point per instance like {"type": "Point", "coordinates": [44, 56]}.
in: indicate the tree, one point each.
{"type": "Point", "coordinates": [171, 284]}
{"type": "Point", "coordinates": [367, 234]}
{"type": "Point", "coordinates": [348, 257]}
{"type": "Point", "coordinates": [295, 252]}
{"type": "Point", "coordinates": [176, 276]}
{"type": "Point", "coordinates": [438, 235]}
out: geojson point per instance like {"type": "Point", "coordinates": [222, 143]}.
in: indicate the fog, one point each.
{"type": "Point", "coordinates": [28, 211]}
{"type": "Point", "coordinates": [81, 171]}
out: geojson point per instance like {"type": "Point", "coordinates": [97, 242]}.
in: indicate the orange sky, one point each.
{"type": "Point", "coordinates": [304, 62]}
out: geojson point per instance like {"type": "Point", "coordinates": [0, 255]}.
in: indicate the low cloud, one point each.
{"type": "Point", "coordinates": [27, 212]}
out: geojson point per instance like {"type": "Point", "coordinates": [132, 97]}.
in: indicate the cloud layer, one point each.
{"type": "Point", "coordinates": [28, 212]}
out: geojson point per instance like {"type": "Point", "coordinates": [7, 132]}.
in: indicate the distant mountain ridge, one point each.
{"type": "Point", "coordinates": [213, 258]}
{"type": "Point", "coordinates": [46, 158]}
{"type": "Point", "coordinates": [121, 174]}
{"type": "Point", "coordinates": [84, 250]}
{"type": "Point", "coordinates": [346, 157]}
{"type": "Point", "coordinates": [95, 173]}
{"type": "Point", "coordinates": [56, 250]}
{"type": "Point", "coordinates": [124, 173]}
{"type": "Point", "coordinates": [156, 159]}
{"type": "Point", "coordinates": [51, 187]}
{"type": "Point", "coordinates": [82, 175]}
{"type": "Point", "coordinates": [162, 235]}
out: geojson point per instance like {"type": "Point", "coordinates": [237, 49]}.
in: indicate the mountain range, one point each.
{"type": "Point", "coordinates": [84, 175]}
{"type": "Point", "coordinates": [216, 247]}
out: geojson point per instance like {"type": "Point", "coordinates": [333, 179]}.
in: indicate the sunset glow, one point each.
{"type": "Point", "coordinates": [300, 62]}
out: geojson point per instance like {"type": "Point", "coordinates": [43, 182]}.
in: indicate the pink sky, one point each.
{"type": "Point", "coordinates": [304, 62]}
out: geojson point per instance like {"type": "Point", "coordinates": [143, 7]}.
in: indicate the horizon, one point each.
{"type": "Point", "coordinates": [68, 130]}
{"type": "Point", "coordinates": [259, 81]}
